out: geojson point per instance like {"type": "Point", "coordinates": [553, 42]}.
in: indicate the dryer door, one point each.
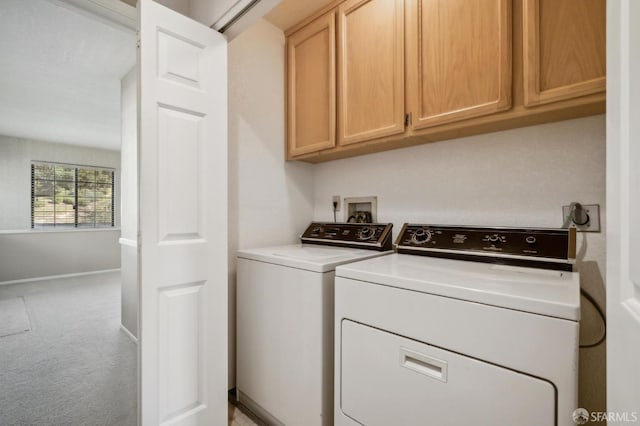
{"type": "Point", "coordinates": [392, 380]}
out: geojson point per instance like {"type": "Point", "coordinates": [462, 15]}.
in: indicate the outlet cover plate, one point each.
{"type": "Point", "coordinates": [593, 210]}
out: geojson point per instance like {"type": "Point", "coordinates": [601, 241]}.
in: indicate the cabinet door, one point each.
{"type": "Point", "coordinates": [370, 69]}
{"type": "Point", "coordinates": [311, 87]}
{"type": "Point", "coordinates": [564, 49]}
{"type": "Point", "coordinates": [458, 59]}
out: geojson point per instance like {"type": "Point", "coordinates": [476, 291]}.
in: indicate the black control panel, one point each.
{"type": "Point", "coordinates": [373, 236]}
{"type": "Point", "coordinates": [552, 248]}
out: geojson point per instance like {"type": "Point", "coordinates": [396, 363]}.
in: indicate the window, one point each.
{"type": "Point", "coordinates": [69, 196]}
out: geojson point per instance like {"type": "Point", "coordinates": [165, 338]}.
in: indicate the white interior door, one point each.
{"type": "Point", "coordinates": [623, 208]}
{"type": "Point", "coordinates": [183, 220]}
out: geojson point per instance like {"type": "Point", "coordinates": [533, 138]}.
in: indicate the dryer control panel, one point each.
{"type": "Point", "coordinates": [373, 236]}
{"type": "Point", "coordinates": [522, 246]}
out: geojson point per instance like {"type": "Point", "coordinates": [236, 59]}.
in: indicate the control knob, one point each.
{"type": "Point", "coordinates": [531, 240]}
{"type": "Point", "coordinates": [421, 236]}
{"type": "Point", "coordinates": [367, 233]}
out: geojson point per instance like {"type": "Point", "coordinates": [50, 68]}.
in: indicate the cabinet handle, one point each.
{"type": "Point", "coordinates": [407, 119]}
{"type": "Point", "coordinates": [423, 364]}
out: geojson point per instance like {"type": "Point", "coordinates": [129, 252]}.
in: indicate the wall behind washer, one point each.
{"type": "Point", "coordinates": [518, 177]}
{"type": "Point", "coordinates": [270, 200]}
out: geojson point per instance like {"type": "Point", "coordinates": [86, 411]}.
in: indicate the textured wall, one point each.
{"type": "Point", "coordinates": [34, 254]}
{"type": "Point", "coordinates": [270, 200]}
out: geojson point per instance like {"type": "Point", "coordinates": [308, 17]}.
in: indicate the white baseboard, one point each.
{"type": "Point", "coordinates": [55, 277]}
{"type": "Point", "coordinates": [129, 334]}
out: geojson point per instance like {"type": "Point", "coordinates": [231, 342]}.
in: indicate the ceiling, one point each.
{"type": "Point", "coordinates": [290, 12]}
{"type": "Point", "coordinates": [287, 13]}
{"type": "Point", "coordinates": [61, 71]}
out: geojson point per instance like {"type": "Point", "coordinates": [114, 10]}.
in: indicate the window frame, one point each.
{"type": "Point", "coordinates": [76, 225]}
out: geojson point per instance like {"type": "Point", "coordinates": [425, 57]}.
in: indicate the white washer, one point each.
{"type": "Point", "coordinates": [285, 320]}
{"type": "Point", "coordinates": [424, 340]}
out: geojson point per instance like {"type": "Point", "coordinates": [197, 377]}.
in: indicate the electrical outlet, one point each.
{"type": "Point", "coordinates": [593, 225]}
{"type": "Point", "coordinates": [336, 199]}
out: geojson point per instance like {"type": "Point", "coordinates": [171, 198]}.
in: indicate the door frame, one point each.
{"type": "Point", "coordinates": [623, 201]}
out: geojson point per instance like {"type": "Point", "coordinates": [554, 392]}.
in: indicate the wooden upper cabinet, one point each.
{"type": "Point", "coordinates": [471, 67]}
{"type": "Point", "coordinates": [564, 49]}
{"type": "Point", "coordinates": [370, 70]}
{"type": "Point", "coordinates": [311, 87]}
{"type": "Point", "coordinates": [458, 59]}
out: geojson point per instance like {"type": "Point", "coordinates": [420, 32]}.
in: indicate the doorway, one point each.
{"type": "Point", "coordinates": [68, 353]}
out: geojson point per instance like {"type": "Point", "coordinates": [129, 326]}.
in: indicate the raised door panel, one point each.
{"type": "Point", "coordinates": [311, 87]}
{"type": "Point", "coordinates": [564, 49]}
{"type": "Point", "coordinates": [459, 59]}
{"type": "Point", "coordinates": [370, 69]}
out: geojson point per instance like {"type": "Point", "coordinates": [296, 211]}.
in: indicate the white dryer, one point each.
{"type": "Point", "coordinates": [484, 333]}
{"type": "Point", "coordinates": [285, 320]}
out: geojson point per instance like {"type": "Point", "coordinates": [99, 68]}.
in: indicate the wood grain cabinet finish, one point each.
{"type": "Point", "coordinates": [370, 70]}
{"type": "Point", "coordinates": [311, 87]}
{"type": "Point", "coordinates": [458, 59]}
{"type": "Point", "coordinates": [564, 49]}
{"type": "Point", "coordinates": [472, 67]}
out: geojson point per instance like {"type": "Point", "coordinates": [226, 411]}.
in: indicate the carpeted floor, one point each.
{"type": "Point", "coordinates": [13, 316]}
{"type": "Point", "coordinates": [74, 366]}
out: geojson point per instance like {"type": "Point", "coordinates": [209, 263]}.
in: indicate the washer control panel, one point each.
{"type": "Point", "coordinates": [547, 245]}
{"type": "Point", "coordinates": [375, 236]}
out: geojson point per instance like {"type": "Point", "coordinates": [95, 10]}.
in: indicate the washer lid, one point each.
{"type": "Point", "coordinates": [309, 257]}
{"type": "Point", "coordinates": [539, 291]}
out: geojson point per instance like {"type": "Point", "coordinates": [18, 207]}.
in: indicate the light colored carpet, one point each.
{"type": "Point", "coordinates": [13, 316]}
{"type": "Point", "coordinates": [75, 367]}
